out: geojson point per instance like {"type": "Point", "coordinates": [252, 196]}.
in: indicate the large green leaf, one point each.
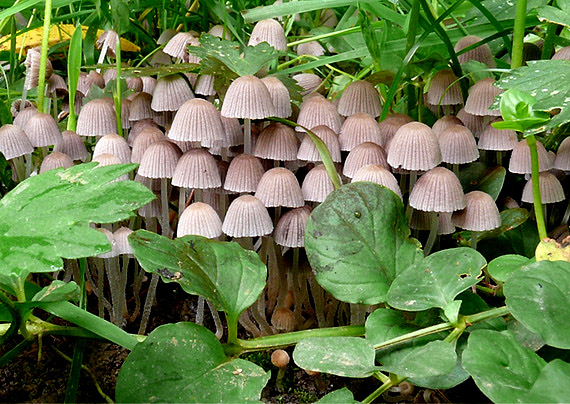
{"type": "Point", "coordinates": [224, 273]}
{"type": "Point", "coordinates": [341, 356]}
{"type": "Point", "coordinates": [501, 268]}
{"type": "Point", "coordinates": [342, 396]}
{"type": "Point", "coordinates": [185, 363]}
{"type": "Point", "coordinates": [537, 295]}
{"type": "Point", "coordinates": [386, 324]}
{"type": "Point", "coordinates": [480, 177]}
{"type": "Point", "coordinates": [552, 385]}
{"type": "Point", "coordinates": [546, 80]}
{"type": "Point", "coordinates": [357, 242]}
{"type": "Point", "coordinates": [558, 15]}
{"type": "Point", "coordinates": [46, 217]}
{"type": "Point", "coordinates": [436, 280]}
{"type": "Point", "coordinates": [503, 370]}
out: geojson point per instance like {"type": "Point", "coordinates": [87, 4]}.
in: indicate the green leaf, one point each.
{"type": "Point", "coordinates": [510, 219]}
{"type": "Point", "coordinates": [538, 297]}
{"type": "Point", "coordinates": [120, 12]}
{"type": "Point", "coordinates": [358, 240]}
{"type": "Point", "coordinates": [548, 81]}
{"type": "Point", "coordinates": [555, 15]}
{"type": "Point", "coordinates": [432, 359]}
{"type": "Point", "coordinates": [517, 111]}
{"type": "Point", "coordinates": [224, 273]}
{"type": "Point", "coordinates": [501, 368]}
{"type": "Point", "coordinates": [185, 363]}
{"type": "Point", "coordinates": [47, 216]}
{"type": "Point", "coordinates": [341, 356]}
{"type": "Point", "coordinates": [58, 291]}
{"type": "Point", "coordinates": [160, 71]}
{"type": "Point", "coordinates": [501, 268]}
{"type": "Point", "coordinates": [73, 72]}
{"type": "Point", "coordinates": [524, 336]}
{"type": "Point", "coordinates": [552, 385]}
{"type": "Point", "coordinates": [480, 177]}
{"type": "Point", "coordinates": [385, 324]}
{"type": "Point", "coordinates": [219, 53]}
{"type": "Point", "coordinates": [436, 280]}
{"type": "Point", "coordinates": [342, 396]}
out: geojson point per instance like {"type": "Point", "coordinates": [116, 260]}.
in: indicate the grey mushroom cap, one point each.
{"type": "Point", "coordinates": [414, 147]}
{"type": "Point", "coordinates": [438, 190]}
{"type": "Point", "coordinates": [279, 187]}
{"type": "Point", "coordinates": [269, 31]}
{"type": "Point", "coordinates": [247, 217]}
{"type": "Point", "coordinates": [520, 162]}
{"type": "Point", "coordinates": [551, 190]}
{"type": "Point", "coordinates": [360, 96]}
{"type": "Point", "coordinates": [14, 142]}
{"type": "Point", "coordinates": [290, 230]}
{"type": "Point", "coordinates": [480, 213]}
{"type": "Point", "coordinates": [199, 219]}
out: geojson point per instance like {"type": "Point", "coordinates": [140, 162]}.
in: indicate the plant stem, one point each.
{"type": "Point", "coordinates": [518, 34]}
{"type": "Point", "coordinates": [14, 313]}
{"type": "Point", "coordinates": [291, 338]}
{"type": "Point", "coordinates": [43, 56]}
{"type": "Point", "coordinates": [548, 41]}
{"type": "Point", "coordinates": [382, 389]}
{"type": "Point", "coordinates": [486, 315]}
{"type": "Point", "coordinates": [118, 90]}
{"type": "Point", "coordinates": [535, 177]}
{"type": "Point", "coordinates": [232, 330]}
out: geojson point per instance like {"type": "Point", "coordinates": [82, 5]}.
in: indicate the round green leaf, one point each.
{"type": "Point", "coordinates": [436, 280]}
{"type": "Point", "coordinates": [552, 385]}
{"type": "Point", "coordinates": [501, 268]}
{"type": "Point", "coordinates": [501, 368]}
{"type": "Point", "coordinates": [185, 363]}
{"type": "Point", "coordinates": [341, 356]}
{"type": "Point", "coordinates": [224, 273]}
{"type": "Point", "coordinates": [386, 324]}
{"type": "Point", "coordinates": [358, 240]}
{"type": "Point", "coordinates": [341, 396]}
{"type": "Point", "coordinates": [538, 297]}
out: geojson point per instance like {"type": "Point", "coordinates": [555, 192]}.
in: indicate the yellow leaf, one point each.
{"type": "Point", "coordinates": [58, 33]}
{"type": "Point", "coordinates": [549, 249]}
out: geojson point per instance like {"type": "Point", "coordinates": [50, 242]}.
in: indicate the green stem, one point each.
{"type": "Point", "coordinates": [382, 389]}
{"type": "Point", "coordinates": [232, 330]}
{"type": "Point", "coordinates": [518, 34]}
{"type": "Point", "coordinates": [410, 39]}
{"type": "Point", "coordinates": [118, 90]}
{"type": "Point", "coordinates": [14, 313]}
{"type": "Point", "coordinates": [43, 56]}
{"type": "Point", "coordinates": [75, 372]}
{"type": "Point", "coordinates": [541, 225]}
{"type": "Point", "coordinates": [291, 338]}
{"type": "Point", "coordinates": [82, 270]}
{"type": "Point", "coordinates": [549, 41]}
{"type": "Point", "coordinates": [486, 315]}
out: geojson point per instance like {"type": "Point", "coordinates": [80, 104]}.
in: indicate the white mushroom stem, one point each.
{"type": "Point", "coordinates": [247, 136]}
{"type": "Point", "coordinates": [164, 207]}
{"type": "Point", "coordinates": [250, 327]}
{"type": "Point", "coordinates": [433, 226]}
{"type": "Point", "coordinates": [474, 237]}
{"type": "Point", "coordinates": [217, 322]}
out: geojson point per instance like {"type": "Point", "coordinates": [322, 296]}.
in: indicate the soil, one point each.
{"type": "Point", "coordinates": [39, 375]}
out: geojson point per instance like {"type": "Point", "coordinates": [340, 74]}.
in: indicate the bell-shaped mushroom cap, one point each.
{"type": "Point", "coordinates": [24, 115]}
{"type": "Point", "coordinates": [113, 252]}
{"type": "Point", "coordinates": [108, 159]}
{"type": "Point", "coordinates": [438, 190]}
{"type": "Point", "coordinates": [317, 184]}
{"type": "Point", "coordinates": [199, 219]}
{"type": "Point", "coordinates": [108, 39]}
{"type": "Point", "coordinates": [97, 118]}
{"type": "Point", "coordinates": [317, 110]}
{"type": "Point", "coordinates": [290, 230]}
{"type": "Point", "coordinates": [389, 127]}
{"type": "Point", "coordinates": [220, 32]}
{"type": "Point", "coordinates": [360, 128]}
{"type": "Point", "coordinates": [244, 174]}
{"type": "Point", "coordinates": [140, 107]}
{"type": "Point", "coordinates": [197, 169]}
{"type": "Point", "coordinates": [16, 106]}
{"type": "Point", "coordinates": [474, 123]}
{"type": "Point", "coordinates": [562, 54]}
{"type": "Point", "coordinates": [481, 96]}
{"type": "Point", "coordinates": [135, 84]}
{"type": "Point", "coordinates": [312, 48]}
{"type": "Point", "coordinates": [149, 83]}
{"type": "Point", "coordinates": [159, 160]}
{"type": "Point", "coordinates": [197, 120]}
{"type": "Point", "coordinates": [55, 160]}
{"type": "Point", "coordinates": [363, 155]}
{"type": "Point", "coordinates": [87, 80]}
{"type": "Point", "coordinates": [177, 47]}
{"type": "Point", "coordinates": [121, 236]}
{"type": "Point", "coordinates": [56, 86]}
{"type": "Point", "coordinates": [308, 81]}
{"type": "Point", "coordinates": [444, 89]}
{"type": "Point", "coordinates": [232, 128]}
{"type": "Point", "coordinates": [14, 142]}
{"type": "Point", "coordinates": [497, 139]}
{"type": "Point", "coordinates": [551, 190]}
{"type": "Point", "coordinates": [144, 139]}
{"type": "Point", "coordinates": [72, 144]}
{"type": "Point", "coordinates": [414, 147]}
{"type": "Point", "coordinates": [115, 145]}
{"type": "Point", "coordinates": [170, 93]}
{"type": "Point", "coordinates": [379, 175]}
{"type": "Point", "coordinates": [279, 187]}
{"type": "Point", "coordinates": [138, 126]}
{"type": "Point", "coordinates": [480, 213]}
{"type": "Point", "coordinates": [481, 53]}
{"type": "Point", "coordinates": [205, 85]}
{"type": "Point", "coordinates": [279, 96]}
{"type": "Point", "coordinates": [445, 224]}
{"type": "Point", "coordinates": [520, 158]}
{"type": "Point", "coordinates": [248, 97]}
{"type": "Point", "coordinates": [42, 130]}
{"type": "Point", "coordinates": [445, 122]}
{"type": "Point", "coordinates": [32, 64]}
{"type": "Point", "coordinates": [309, 152]}
{"type": "Point", "coordinates": [562, 161]}
{"type": "Point", "coordinates": [360, 96]}
{"type": "Point", "coordinates": [269, 31]}
{"type": "Point", "coordinates": [458, 145]}
{"type": "Point", "coordinates": [277, 142]}
{"type": "Point", "coordinates": [247, 217]}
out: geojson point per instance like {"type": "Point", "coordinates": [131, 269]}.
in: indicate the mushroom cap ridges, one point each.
{"type": "Point", "coordinates": [279, 187]}
{"type": "Point", "coordinates": [247, 217]}
{"type": "Point", "coordinates": [414, 147]}
{"type": "Point", "coordinates": [438, 190]}
{"type": "Point", "coordinates": [360, 96]}
{"type": "Point", "coordinates": [199, 219]}
{"type": "Point", "coordinates": [247, 97]}
{"type": "Point", "coordinates": [480, 213]}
